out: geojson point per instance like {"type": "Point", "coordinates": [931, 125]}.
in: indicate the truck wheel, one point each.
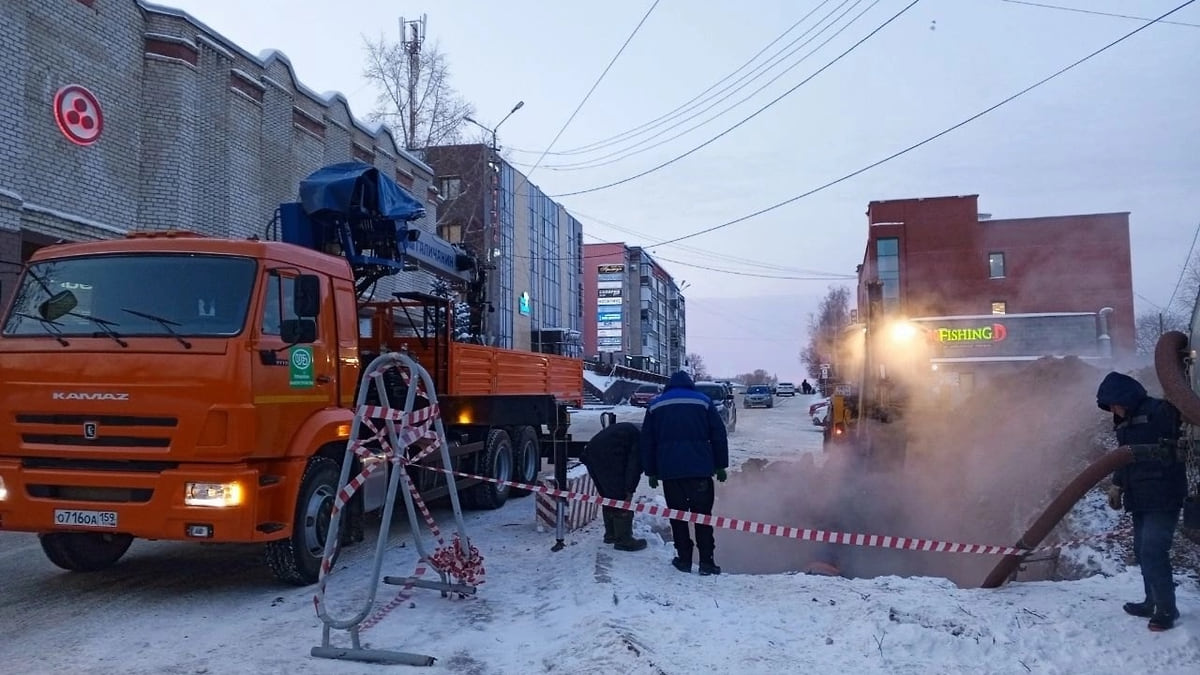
{"type": "Point", "coordinates": [84, 551]}
{"type": "Point", "coordinates": [297, 559]}
{"type": "Point", "coordinates": [527, 458]}
{"type": "Point", "coordinates": [495, 462]}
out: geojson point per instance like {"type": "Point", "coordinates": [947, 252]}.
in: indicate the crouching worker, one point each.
{"type": "Point", "coordinates": [613, 462]}
{"type": "Point", "coordinates": [1152, 489]}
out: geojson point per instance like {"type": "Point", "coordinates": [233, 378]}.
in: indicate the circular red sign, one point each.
{"type": "Point", "coordinates": [77, 112]}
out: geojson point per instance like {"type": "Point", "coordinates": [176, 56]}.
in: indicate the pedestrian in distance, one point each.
{"type": "Point", "coordinates": [615, 466]}
{"type": "Point", "coordinates": [1152, 488]}
{"type": "Point", "coordinates": [684, 445]}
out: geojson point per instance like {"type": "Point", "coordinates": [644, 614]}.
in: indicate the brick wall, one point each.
{"type": "Point", "coordinates": [198, 133]}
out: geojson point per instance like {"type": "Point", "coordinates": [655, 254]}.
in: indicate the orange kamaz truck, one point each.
{"type": "Point", "coordinates": [178, 387]}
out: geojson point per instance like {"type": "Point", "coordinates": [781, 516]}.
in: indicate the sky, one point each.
{"type": "Point", "coordinates": [1118, 133]}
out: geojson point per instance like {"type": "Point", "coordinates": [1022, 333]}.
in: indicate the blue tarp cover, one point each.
{"type": "Point", "coordinates": [355, 190]}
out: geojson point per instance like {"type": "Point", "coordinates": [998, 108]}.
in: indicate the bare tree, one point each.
{"type": "Point", "coordinates": [699, 371]}
{"type": "Point", "coordinates": [759, 376]}
{"type": "Point", "coordinates": [434, 114]}
{"type": "Point", "coordinates": [823, 327]}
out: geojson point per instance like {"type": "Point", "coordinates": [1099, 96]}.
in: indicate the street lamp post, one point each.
{"type": "Point", "coordinates": [493, 223]}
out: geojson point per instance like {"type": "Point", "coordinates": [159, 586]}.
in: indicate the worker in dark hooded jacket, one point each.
{"type": "Point", "coordinates": [613, 462]}
{"type": "Point", "coordinates": [684, 443]}
{"type": "Point", "coordinates": [1152, 488]}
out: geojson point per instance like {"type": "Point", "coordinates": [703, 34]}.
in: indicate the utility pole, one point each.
{"type": "Point", "coordinates": [412, 47]}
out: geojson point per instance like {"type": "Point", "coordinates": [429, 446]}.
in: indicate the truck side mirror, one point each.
{"type": "Point", "coordinates": [298, 331]}
{"type": "Point", "coordinates": [306, 296]}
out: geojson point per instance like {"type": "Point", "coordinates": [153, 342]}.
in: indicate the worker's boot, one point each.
{"type": "Point", "coordinates": [709, 568]}
{"type": "Point", "coordinates": [610, 533]}
{"type": "Point", "coordinates": [623, 527]}
{"type": "Point", "coordinates": [1144, 609]}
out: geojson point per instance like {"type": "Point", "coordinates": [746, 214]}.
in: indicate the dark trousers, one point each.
{"type": "Point", "coordinates": [1152, 535]}
{"type": "Point", "coordinates": [695, 495]}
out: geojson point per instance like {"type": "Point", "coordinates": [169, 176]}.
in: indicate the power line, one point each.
{"type": "Point", "coordinates": [685, 106]}
{"type": "Point", "coordinates": [1091, 11]}
{"type": "Point", "coordinates": [701, 251]}
{"type": "Point", "coordinates": [928, 140]}
{"type": "Point", "coordinates": [644, 145]}
{"type": "Point", "coordinates": [1183, 269]}
{"type": "Point", "coordinates": [756, 113]}
{"type": "Point", "coordinates": [595, 84]}
{"type": "Point", "coordinates": [753, 274]}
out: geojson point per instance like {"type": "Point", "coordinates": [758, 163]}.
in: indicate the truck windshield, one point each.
{"type": "Point", "coordinates": [133, 294]}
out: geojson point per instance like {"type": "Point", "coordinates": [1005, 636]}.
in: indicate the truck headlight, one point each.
{"type": "Point", "coordinates": [218, 495]}
{"type": "Point", "coordinates": [3, 490]}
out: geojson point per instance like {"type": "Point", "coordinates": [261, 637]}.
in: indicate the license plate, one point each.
{"type": "Point", "coordinates": [73, 518]}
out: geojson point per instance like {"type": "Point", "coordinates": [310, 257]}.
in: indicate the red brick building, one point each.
{"type": "Point", "coordinates": [940, 260]}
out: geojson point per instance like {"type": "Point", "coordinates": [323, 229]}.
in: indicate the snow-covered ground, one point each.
{"type": "Point", "coordinates": [173, 608]}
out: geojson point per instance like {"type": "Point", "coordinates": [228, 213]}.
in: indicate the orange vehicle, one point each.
{"type": "Point", "coordinates": [178, 387]}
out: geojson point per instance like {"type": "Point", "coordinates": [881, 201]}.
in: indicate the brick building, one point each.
{"type": "Point", "coordinates": [191, 132]}
{"type": "Point", "coordinates": [533, 244]}
{"type": "Point", "coordinates": [634, 312]}
{"type": "Point", "coordinates": [999, 291]}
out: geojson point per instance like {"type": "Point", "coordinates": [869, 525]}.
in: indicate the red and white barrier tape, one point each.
{"type": "Point", "coordinates": [802, 534]}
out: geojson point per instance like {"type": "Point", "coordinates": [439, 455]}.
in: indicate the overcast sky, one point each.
{"type": "Point", "coordinates": [1119, 133]}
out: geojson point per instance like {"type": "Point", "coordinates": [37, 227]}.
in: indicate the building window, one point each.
{"type": "Point", "coordinates": [450, 187]}
{"type": "Point", "coordinates": [887, 266]}
{"type": "Point", "coordinates": [999, 307]}
{"type": "Point", "coordinates": [996, 265]}
{"type": "Point", "coordinates": [451, 232]}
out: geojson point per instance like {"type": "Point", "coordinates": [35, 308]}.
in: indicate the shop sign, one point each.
{"type": "Point", "coordinates": [78, 115]}
{"type": "Point", "coordinates": [609, 314]}
{"type": "Point", "coordinates": [610, 269]}
{"type": "Point", "coordinates": [608, 293]}
{"type": "Point", "coordinates": [993, 333]}
{"type": "Point", "coordinates": [523, 303]}
{"type": "Point", "coordinates": [609, 301]}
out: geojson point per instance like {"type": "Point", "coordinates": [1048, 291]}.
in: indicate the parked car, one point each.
{"type": "Point", "coordinates": [785, 389]}
{"type": "Point", "coordinates": [819, 412]}
{"type": "Point", "coordinates": [758, 395]}
{"type": "Point", "coordinates": [722, 395]}
{"type": "Point", "coordinates": [642, 395]}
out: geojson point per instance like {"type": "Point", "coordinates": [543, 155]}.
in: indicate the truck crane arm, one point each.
{"type": "Point", "coordinates": [353, 210]}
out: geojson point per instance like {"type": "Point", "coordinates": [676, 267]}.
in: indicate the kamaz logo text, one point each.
{"type": "Point", "coordinates": [87, 396]}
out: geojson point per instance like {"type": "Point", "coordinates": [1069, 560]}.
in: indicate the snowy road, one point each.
{"type": "Point", "coordinates": [171, 608]}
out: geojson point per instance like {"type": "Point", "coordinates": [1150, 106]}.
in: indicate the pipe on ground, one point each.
{"type": "Point", "coordinates": [1062, 504]}
{"type": "Point", "coordinates": [1169, 366]}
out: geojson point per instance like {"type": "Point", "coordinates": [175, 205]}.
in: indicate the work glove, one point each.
{"type": "Point", "coordinates": [721, 475]}
{"type": "Point", "coordinates": [1114, 498]}
{"type": "Point", "coordinates": [653, 482]}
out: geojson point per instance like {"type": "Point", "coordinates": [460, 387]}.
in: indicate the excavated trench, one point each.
{"type": "Point", "coordinates": [979, 473]}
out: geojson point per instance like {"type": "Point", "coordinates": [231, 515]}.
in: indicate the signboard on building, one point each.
{"type": "Point", "coordinates": [610, 278]}
{"type": "Point", "coordinates": [610, 269]}
{"type": "Point", "coordinates": [77, 112]}
{"type": "Point", "coordinates": [523, 303]}
{"type": "Point", "coordinates": [610, 342]}
{"type": "Point", "coordinates": [608, 293]}
{"type": "Point", "coordinates": [609, 284]}
{"type": "Point", "coordinates": [609, 324]}
{"type": "Point", "coordinates": [609, 314]}
{"type": "Point", "coordinates": [608, 332]}
{"type": "Point", "coordinates": [609, 301]}
{"type": "Point", "coordinates": [1016, 335]}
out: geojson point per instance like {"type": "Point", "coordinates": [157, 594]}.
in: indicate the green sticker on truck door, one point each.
{"type": "Point", "coordinates": [300, 367]}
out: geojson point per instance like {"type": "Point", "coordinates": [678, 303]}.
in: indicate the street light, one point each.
{"type": "Point", "coordinates": [494, 225]}
{"type": "Point", "coordinates": [493, 130]}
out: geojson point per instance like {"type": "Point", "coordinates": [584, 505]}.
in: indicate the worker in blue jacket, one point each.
{"type": "Point", "coordinates": [684, 445]}
{"type": "Point", "coordinates": [1152, 488]}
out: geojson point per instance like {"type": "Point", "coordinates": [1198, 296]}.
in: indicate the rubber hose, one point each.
{"type": "Point", "coordinates": [1168, 365]}
{"type": "Point", "coordinates": [1062, 504]}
